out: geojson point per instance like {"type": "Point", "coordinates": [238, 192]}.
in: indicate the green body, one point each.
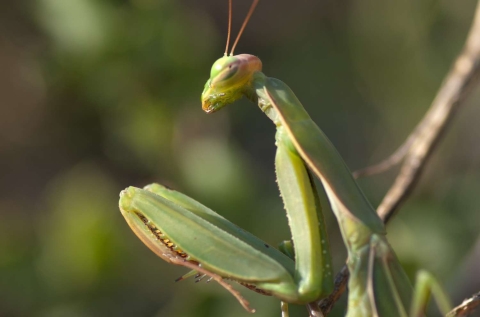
{"type": "Point", "coordinates": [378, 286]}
{"type": "Point", "coordinates": [362, 230]}
{"type": "Point", "coordinates": [184, 232]}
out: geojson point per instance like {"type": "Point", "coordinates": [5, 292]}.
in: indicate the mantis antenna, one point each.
{"type": "Point", "coordinates": [250, 12]}
{"type": "Point", "coordinates": [229, 25]}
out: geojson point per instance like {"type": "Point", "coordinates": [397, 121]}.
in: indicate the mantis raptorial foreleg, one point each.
{"type": "Point", "coordinates": [184, 232]}
{"type": "Point", "coordinates": [181, 230]}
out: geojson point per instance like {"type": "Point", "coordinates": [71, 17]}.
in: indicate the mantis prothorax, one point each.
{"type": "Point", "coordinates": [184, 232]}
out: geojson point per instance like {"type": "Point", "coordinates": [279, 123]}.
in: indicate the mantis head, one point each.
{"type": "Point", "coordinates": [230, 79]}
{"type": "Point", "coordinates": [231, 76]}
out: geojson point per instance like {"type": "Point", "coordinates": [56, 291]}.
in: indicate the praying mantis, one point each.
{"type": "Point", "coordinates": [184, 232]}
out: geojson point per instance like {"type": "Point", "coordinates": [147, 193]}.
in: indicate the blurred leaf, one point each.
{"type": "Point", "coordinates": [78, 244]}
{"type": "Point", "coordinates": [78, 26]}
{"type": "Point", "coordinates": [212, 167]}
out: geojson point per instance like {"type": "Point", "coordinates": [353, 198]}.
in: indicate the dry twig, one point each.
{"type": "Point", "coordinates": [421, 142]}
{"type": "Point", "coordinates": [394, 159]}
{"type": "Point", "coordinates": [467, 307]}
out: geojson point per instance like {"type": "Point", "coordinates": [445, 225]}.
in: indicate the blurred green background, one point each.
{"type": "Point", "coordinates": [99, 95]}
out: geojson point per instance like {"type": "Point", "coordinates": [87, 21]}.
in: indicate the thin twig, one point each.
{"type": "Point", "coordinates": [423, 139]}
{"type": "Point", "coordinates": [394, 159]}
{"type": "Point", "coordinates": [340, 286]}
{"type": "Point", "coordinates": [467, 307]}
{"type": "Point", "coordinates": [454, 89]}
{"type": "Point", "coordinates": [313, 310]}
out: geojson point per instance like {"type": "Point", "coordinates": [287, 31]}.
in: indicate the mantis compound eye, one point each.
{"type": "Point", "coordinates": [229, 72]}
{"type": "Point", "coordinates": [226, 71]}
{"type": "Point", "coordinates": [234, 70]}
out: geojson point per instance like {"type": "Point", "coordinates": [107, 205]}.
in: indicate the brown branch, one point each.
{"type": "Point", "coordinates": [426, 135]}
{"type": "Point", "coordinates": [467, 307]}
{"type": "Point", "coordinates": [313, 310]}
{"type": "Point", "coordinates": [394, 159]}
{"type": "Point", "coordinates": [340, 286]}
{"type": "Point", "coordinates": [454, 89]}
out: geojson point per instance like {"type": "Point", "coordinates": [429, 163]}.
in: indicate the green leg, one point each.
{"type": "Point", "coordinates": [426, 284]}
{"type": "Point", "coordinates": [284, 308]}
{"type": "Point", "coordinates": [287, 248]}
{"type": "Point", "coordinates": [313, 269]}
